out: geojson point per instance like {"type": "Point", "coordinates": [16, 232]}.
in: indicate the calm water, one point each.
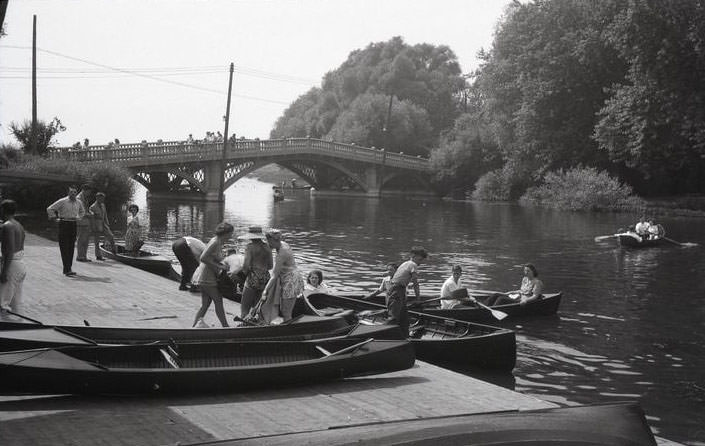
{"type": "Point", "coordinates": [631, 325]}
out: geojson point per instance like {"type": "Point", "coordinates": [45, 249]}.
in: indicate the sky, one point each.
{"type": "Point", "coordinates": [158, 69]}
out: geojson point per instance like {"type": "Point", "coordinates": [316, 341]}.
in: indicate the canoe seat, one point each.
{"type": "Point", "coordinates": [330, 311]}
{"type": "Point", "coordinates": [171, 357]}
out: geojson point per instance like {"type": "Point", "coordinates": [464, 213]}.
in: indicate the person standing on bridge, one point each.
{"type": "Point", "coordinates": [67, 211]}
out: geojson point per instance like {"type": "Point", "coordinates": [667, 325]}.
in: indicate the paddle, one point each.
{"type": "Point", "coordinates": [24, 317]}
{"type": "Point", "coordinates": [499, 315]}
{"type": "Point", "coordinates": [600, 238]}
{"type": "Point", "coordinates": [679, 243]}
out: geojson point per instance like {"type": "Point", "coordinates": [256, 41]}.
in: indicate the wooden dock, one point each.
{"type": "Point", "coordinates": [109, 293]}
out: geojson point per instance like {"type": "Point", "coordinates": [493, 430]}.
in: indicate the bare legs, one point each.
{"type": "Point", "coordinates": [210, 293]}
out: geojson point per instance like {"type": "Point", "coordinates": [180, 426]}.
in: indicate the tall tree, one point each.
{"type": "Point", "coordinates": [544, 81]}
{"type": "Point", "coordinates": [654, 121]}
{"type": "Point", "coordinates": [424, 76]}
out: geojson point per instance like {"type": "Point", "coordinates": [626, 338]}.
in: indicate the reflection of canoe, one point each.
{"type": "Point", "coordinates": [546, 306]}
{"type": "Point", "coordinates": [145, 260]}
{"type": "Point", "coordinates": [619, 424]}
{"type": "Point", "coordinates": [435, 339]}
{"type": "Point", "coordinates": [632, 240]}
{"type": "Point", "coordinates": [196, 367]}
{"type": "Point", "coordinates": [21, 335]}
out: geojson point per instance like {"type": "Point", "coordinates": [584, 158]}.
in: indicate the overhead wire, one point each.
{"type": "Point", "coordinates": [154, 73]}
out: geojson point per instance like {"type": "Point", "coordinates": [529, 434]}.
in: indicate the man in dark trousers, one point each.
{"type": "Point", "coordinates": [67, 211]}
{"type": "Point", "coordinates": [188, 250]}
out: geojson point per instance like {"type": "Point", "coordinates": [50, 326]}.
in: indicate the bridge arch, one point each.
{"type": "Point", "coordinates": [144, 177]}
{"type": "Point", "coordinates": [290, 163]}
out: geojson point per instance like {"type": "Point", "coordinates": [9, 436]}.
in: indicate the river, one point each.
{"type": "Point", "coordinates": [631, 325]}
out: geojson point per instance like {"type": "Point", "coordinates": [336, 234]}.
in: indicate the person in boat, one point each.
{"type": "Point", "coordinates": [12, 268]}
{"type": "Point", "coordinates": [101, 226]}
{"type": "Point", "coordinates": [642, 227]}
{"type": "Point", "coordinates": [451, 284]}
{"type": "Point", "coordinates": [386, 282]}
{"type": "Point", "coordinates": [530, 290]}
{"type": "Point", "coordinates": [258, 261]}
{"type": "Point", "coordinates": [67, 211]}
{"type": "Point", "coordinates": [206, 275]}
{"type": "Point", "coordinates": [133, 234]}
{"type": "Point", "coordinates": [406, 274]}
{"type": "Point", "coordinates": [188, 251]}
{"type": "Point", "coordinates": [654, 230]}
{"type": "Point", "coordinates": [314, 284]}
{"type": "Point", "coordinates": [286, 284]}
{"type": "Point", "coordinates": [83, 225]}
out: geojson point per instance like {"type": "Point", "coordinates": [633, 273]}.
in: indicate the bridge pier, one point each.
{"type": "Point", "coordinates": [213, 182]}
{"type": "Point", "coordinates": [373, 180]}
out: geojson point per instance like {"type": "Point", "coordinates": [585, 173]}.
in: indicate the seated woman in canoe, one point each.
{"type": "Point", "coordinates": [530, 290]}
{"type": "Point", "coordinates": [314, 284]}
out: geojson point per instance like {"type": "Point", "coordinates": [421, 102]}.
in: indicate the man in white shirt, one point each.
{"type": "Point", "coordinates": [451, 284]}
{"type": "Point", "coordinates": [642, 228]}
{"type": "Point", "coordinates": [67, 211]}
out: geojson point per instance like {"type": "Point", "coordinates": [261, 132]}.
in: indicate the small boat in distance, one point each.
{"type": "Point", "coordinates": [278, 193]}
{"type": "Point", "coordinates": [144, 260]}
{"type": "Point", "coordinates": [633, 240]}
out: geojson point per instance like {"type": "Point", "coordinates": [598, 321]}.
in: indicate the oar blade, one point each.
{"type": "Point", "coordinates": [499, 315]}
{"type": "Point", "coordinates": [600, 238]}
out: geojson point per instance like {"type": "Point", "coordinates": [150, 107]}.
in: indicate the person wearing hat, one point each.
{"type": "Point", "coordinates": [188, 250]}
{"type": "Point", "coordinates": [258, 261]}
{"type": "Point", "coordinates": [101, 227]}
{"type": "Point", "coordinates": [286, 284]}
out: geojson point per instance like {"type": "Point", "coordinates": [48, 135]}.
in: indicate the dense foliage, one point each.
{"type": "Point", "coordinates": [582, 189]}
{"type": "Point", "coordinates": [114, 180]}
{"type": "Point", "coordinates": [423, 80]}
{"type": "Point", "coordinates": [612, 84]}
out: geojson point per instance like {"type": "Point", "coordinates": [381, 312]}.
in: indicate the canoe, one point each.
{"type": "Point", "coordinates": [300, 328]}
{"type": "Point", "coordinates": [435, 339]}
{"type": "Point", "coordinates": [632, 240]}
{"type": "Point", "coordinates": [146, 260]}
{"type": "Point", "coordinates": [546, 306]}
{"type": "Point", "coordinates": [196, 367]}
{"type": "Point", "coordinates": [617, 424]}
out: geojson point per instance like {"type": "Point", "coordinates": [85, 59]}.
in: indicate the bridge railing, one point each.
{"type": "Point", "coordinates": [180, 151]}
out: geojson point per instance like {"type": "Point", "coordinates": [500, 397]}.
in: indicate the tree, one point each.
{"type": "Point", "coordinates": [36, 140]}
{"type": "Point", "coordinates": [654, 122]}
{"type": "Point", "coordinates": [424, 76]}
{"type": "Point", "coordinates": [544, 80]}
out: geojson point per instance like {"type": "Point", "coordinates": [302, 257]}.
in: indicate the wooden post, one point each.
{"type": "Point", "coordinates": [33, 133]}
{"type": "Point", "coordinates": [225, 135]}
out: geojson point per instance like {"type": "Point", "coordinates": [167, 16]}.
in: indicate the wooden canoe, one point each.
{"type": "Point", "coordinates": [145, 260]}
{"type": "Point", "coordinates": [546, 306]}
{"type": "Point", "coordinates": [618, 424]}
{"type": "Point", "coordinates": [299, 328]}
{"type": "Point", "coordinates": [196, 367]}
{"type": "Point", "coordinates": [435, 339]}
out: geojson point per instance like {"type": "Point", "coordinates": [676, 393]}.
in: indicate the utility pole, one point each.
{"type": "Point", "coordinates": [225, 135]}
{"type": "Point", "coordinates": [34, 86]}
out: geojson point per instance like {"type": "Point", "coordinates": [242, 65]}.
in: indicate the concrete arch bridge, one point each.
{"type": "Point", "coordinates": [167, 168]}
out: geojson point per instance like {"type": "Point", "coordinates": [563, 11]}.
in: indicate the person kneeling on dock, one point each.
{"type": "Point", "coordinates": [396, 296]}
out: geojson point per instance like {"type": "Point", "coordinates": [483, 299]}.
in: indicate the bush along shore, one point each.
{"type": "Point", "coordinates": [114, 181]}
